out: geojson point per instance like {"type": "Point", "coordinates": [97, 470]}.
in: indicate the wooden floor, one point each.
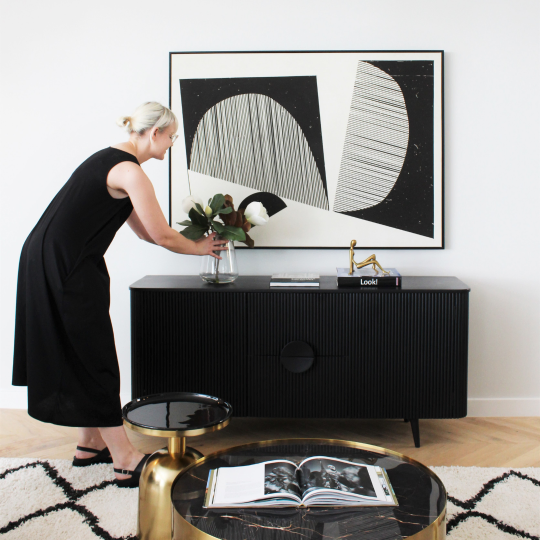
{"type": "Point", "coordinates": [484, 442]}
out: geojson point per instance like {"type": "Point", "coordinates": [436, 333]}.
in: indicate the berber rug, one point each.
{"type": "Point", "coordinates": [51, 500]}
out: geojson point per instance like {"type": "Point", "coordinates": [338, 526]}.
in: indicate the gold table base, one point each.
{"type": "Point", "coordinates": [155, 507]}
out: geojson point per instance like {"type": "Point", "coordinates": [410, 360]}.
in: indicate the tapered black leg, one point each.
{"type": "Point", "coordinates": [415, 431]}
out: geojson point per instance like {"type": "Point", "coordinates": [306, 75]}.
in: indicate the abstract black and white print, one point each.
{"type": "Point", "coordinates": [349, 143]}
{"type": "Point", "coordinates": [253, 141]}
{"type": "Point", "coordinates": [386, 171]}
{"type": "Point", "coordinates": [376, 141]}
{"type": "Point", "coordinates": [260, 132]}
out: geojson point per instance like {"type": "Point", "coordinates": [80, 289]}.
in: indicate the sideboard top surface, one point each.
{"type": "Point", "coordinates": [262, 284]}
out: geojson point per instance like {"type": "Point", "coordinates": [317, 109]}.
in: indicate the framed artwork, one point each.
{"type": "Point", "coordinates": [336, 145]}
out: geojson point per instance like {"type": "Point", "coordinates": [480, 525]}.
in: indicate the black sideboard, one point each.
{"type": "Point", "coordinates": [363, 353]}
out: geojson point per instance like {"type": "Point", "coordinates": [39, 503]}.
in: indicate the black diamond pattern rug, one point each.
{"type": "Point", "coordinates": [50, 499]}
{"type": "Point", "coordinates": [491, 503]}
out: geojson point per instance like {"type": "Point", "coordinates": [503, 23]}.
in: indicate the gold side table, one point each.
{"type": "Point", "coordinates": [174, 415]}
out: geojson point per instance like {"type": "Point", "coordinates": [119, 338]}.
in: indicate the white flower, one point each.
{"type": "Point", "coordinates": [208, 211]}
{"type": "Point", "coordinates": [189, 202]}
{"type": "Point", "coordinates": [256, 213]}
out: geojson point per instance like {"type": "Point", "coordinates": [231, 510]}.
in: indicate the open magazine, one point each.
{"type": "Point", "coordinates": [316, 481]}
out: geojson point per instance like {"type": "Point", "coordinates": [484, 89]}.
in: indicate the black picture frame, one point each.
{"type": "Point", "coordinates": [396, 204]}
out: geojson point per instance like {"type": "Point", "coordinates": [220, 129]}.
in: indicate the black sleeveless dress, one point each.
{"type": "Point", "coordinates": [64, 342]}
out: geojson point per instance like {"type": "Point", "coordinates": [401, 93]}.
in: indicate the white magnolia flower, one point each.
{"type": "Point", "coordinates": [189, 202]}
{"type": "Point", "coordinates": [256, 213]}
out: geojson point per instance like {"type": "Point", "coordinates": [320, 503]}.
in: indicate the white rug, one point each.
{"type": "Point", "coordinates": [491, 503]}
{"type": "Point", "coordinates": [51, 500]}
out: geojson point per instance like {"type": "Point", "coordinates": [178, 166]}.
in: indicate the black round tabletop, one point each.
{"type": "Point", "coordinates": [420, 493]}
{"type": "Point", "coordinates": [177, 413]}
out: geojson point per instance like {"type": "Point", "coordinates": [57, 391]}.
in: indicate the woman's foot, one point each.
{"type": "Point", "coordinates": [96, 445]}
{"type": "Point", "coordinates": [89, 438]}
{"type": "Point", "coordinates": [127, 462]}
{"type": "Point", "coordinates": [91, 448]}
{"type": "Point", "coordinates": [102, 456]}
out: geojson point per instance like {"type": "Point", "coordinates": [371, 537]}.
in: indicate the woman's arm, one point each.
{"type": "Point", "coordinates": [138, 228]}
{"type": "Point", "coordinates": [131, 179]}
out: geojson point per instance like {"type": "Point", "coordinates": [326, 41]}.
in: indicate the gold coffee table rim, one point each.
{"type": "Point", "coordinates": [431, 532]}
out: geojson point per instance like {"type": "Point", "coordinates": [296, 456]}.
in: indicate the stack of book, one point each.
{"type": "Point", "coordinates": [294, 280]}
{"type": "Point", "coordinates": [367, 277]}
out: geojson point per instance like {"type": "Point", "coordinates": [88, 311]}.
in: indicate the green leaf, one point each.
{"type": "Point", "coordinates": [197, 219]}
{"type": "Point", "coordinates": [225, 210]}
{"type": "Point", "coordinates": [209, 200]}
{"type": "Point", "coordinates": [193, 232]}
{"type": "Point", "coordinates": [218, 227]}
{"type": "Point", "coordinates": [185, 223]}
{"type": "Point", "coordinates": [199, 208]}
{"type": "Point", "coordinates": [233, 233]}
{"type": "Point", "coordinates": [217, 202]}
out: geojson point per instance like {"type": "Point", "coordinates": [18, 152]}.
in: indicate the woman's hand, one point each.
{"type": "Point", "coordinates": [148, 219]}
{"type": "Point", "coordinates": [207, 245]}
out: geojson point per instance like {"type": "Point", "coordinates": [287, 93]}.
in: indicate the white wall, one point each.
{"type": "Point", "coordinates": [69, 69]}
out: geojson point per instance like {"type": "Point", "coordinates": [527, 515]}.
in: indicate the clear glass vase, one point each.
{"type": "Point", "coordinates": [224, 270]}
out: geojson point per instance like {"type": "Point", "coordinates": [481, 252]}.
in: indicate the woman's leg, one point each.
{"type": "Point", "coordinates": [124, 454]}
{"type": "Point", "coordinates": [89, 438]}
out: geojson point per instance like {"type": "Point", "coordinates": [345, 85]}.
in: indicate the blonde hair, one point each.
{"type": "Point", "coordinates": [147, 115]}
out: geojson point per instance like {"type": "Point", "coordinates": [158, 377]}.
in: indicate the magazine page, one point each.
{"type": "Point", "coordinates": [331, 480]}
{"type": "Point", "coordinates": [268, 483]}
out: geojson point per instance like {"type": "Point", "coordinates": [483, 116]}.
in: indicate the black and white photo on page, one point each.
{"type": "Point", "coordinates": [280, 478]}
{"type": "Point", "coordinates": [323, 473]}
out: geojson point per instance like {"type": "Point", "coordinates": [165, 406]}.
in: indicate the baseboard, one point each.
{"type": "Point", "coordinates": [15, 398]}
{"type": "Point", "coordinates": [503, 407]}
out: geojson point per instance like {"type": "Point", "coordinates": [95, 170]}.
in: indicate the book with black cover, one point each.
{"type": "Point", "coordinates": [316, 481]}
{"type": "Point", "coordinates": [294, 280]}
{"type": "Point", "coordinates": [367, 277]}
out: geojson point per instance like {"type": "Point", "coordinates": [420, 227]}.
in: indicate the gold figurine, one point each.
{"type": "Point", "coordinates": [370, 260]}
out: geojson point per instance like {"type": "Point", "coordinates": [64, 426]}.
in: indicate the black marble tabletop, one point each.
{"type": "Point", "coordinates": [421, 497]}
{"type": "Point", "coordinates": [177, 411]}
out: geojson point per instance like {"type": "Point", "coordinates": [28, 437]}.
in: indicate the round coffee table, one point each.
{"type": "Point", "coordinates": [421, 513]}
{"type": "Point", "coordinates": [175, 415]}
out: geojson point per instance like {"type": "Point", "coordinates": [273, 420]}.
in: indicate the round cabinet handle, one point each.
{"type": "Point", "coordinates": [297, 356]}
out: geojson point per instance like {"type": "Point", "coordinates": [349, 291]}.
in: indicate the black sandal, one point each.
{"type": "Point", "coordinates": [102, 456]}
{"type": "Point", "coordinates": [132, 482]}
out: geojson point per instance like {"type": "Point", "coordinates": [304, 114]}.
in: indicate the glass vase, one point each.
{"type": "Point", "coordinates": [224, 270]}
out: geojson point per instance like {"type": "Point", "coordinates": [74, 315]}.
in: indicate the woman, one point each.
{"type": "Point", "coordinates": [64, 343]}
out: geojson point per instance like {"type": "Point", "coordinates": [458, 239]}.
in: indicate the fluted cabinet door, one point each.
{"type": "Point", "coordinates": [187, 342]}
{"type": "Point", "coordinates": [411, 354]}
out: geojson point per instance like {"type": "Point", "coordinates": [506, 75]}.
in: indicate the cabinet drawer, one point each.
{"type": "Point", "coordinates": [323, 391]}
{"type": "Point", "coordinates": [277, 318]}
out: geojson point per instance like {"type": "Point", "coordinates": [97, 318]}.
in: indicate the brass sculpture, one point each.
{"type": "Point", "coordinates": [370, 260]}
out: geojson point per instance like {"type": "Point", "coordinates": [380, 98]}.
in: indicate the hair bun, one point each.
{"type": "Point", "coordinates": [151, 114]}
{"type": "Point", "coordinates": [124, 121]}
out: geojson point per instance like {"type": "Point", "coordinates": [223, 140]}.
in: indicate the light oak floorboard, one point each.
{"type": "Point", "coordinates": [482, 442]}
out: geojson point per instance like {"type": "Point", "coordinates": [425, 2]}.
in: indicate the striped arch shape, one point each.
{"type": "Point", "coordinates": [252, 141]}
{"type": "Point", "coordinates": [375, 142]}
